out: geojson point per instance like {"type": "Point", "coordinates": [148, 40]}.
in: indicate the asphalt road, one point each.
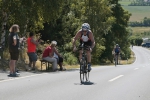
{"type": "Point", "coordinates": [124, 82]}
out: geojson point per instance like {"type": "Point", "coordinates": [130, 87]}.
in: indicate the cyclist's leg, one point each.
{"type": "Point", "coordinates": [80, 60]}
{"type": "Point", "coordinates": [80, 55]}
{"type": "Point", "coordinates": [88, 56]}
{"type": "Point", "coordinates": [80, 51]}
{"type": "Point", "coordinates": [115, 58]}
{"type": "Point", "coordinates": [117, 55]}
{"type": "Point", "coordinates": [89, 60]}
{"type": "Point", "coordinates": [88, 52]}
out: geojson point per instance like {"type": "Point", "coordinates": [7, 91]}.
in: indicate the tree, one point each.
{"type": "Point", "coordinates": [28, 14]}
{"type": "Point", "coordinates": [118, 33]}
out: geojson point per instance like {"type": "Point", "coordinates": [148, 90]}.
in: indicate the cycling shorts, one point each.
{"type": "Point", "coordinates": [116, 53]}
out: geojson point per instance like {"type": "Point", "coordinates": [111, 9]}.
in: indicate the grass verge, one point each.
{"type": "Point", "coordinates": [122, 62]}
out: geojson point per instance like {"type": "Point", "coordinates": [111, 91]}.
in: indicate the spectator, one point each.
{"type": "Point", "coordinates": [57, 56]}
{"type": "Point", "coordinates": [13, 49]}
{"type": "Point", "coordinates": [48, 55]}
{"type": "Point", "coordinates": [31, 50]}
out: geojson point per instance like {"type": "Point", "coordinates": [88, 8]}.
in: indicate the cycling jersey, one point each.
{"type": "Point", "coordinates": [117, 50]}
{"type": "Point", "coordinates": [85, 38]}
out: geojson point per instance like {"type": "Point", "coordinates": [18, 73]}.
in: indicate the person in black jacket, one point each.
{"type": "Point", "coordinates": [13, 49]}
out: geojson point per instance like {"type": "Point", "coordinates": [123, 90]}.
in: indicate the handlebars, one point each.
{"type": "Point", "coordinates": [82, 46]}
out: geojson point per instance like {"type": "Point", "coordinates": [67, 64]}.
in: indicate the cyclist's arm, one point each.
{"type": "Point", "coordinates": [92, 40]}
{"type": "Point", "coordinates": [75, 38]}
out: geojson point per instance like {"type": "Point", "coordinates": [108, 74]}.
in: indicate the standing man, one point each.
{"type": "Point", "coordinates": [13, 49]}
{"type": "Point", "coordinates": [31, 50]}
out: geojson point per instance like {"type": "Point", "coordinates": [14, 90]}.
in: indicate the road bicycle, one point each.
{"type": "Point", "coordinates": [84, 73]}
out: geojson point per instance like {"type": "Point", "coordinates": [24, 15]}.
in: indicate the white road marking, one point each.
{"type": "Point", "coordinates": [16, 78]}
{"type": "Point", "coordinates": [136, 68]}
{"type": "Point", "coordinates": [116, 78]}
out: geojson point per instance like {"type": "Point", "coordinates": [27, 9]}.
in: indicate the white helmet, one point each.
{"type": "Point", "coordinates": [85, 26]}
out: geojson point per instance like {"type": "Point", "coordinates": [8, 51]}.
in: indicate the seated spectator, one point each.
{"type": "Point", "coordinates": [48, 56]}
{"type": "Point", "coordinates": [57, 56]}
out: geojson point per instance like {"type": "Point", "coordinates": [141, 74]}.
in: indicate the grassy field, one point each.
{"type": "Point", "coordinates": [125, 2]}
{"type": "Point", "coordinates": [138, 12]}
{"type": "Point", "coordinates": [140, 29]}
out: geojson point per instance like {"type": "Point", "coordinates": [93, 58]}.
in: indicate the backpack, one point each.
{"type": "Point", "coordinates": [116, 50]}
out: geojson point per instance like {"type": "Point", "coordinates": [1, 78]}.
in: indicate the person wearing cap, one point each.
{"type": "Point", "coordinates": [48, 55]}
{"type": "Point", "coordinates": [85, 36]}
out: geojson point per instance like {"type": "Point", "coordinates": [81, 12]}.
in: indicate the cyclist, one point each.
{"type": "Point", "coordinates": [117, 51]}
{"type": "Point", "coordinates": [86, 36]}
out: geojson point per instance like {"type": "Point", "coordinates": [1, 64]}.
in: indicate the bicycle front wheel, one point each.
{"type": "Point", "coordinates": [81, 71]}
{"type": "Point", "coordinates": [87, 75]}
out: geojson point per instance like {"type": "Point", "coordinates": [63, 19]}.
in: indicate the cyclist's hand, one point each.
{"type": "Point", "coordinates": [74, 49]}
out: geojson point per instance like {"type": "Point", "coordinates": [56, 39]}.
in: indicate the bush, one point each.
{"type": "Point", "coordinates": [126, 54]}
{"type": "Point", "coordinates": [70, 59]}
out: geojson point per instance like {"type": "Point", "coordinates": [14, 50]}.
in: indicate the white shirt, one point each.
{"type": "Point", "coordinates": [55, 55]}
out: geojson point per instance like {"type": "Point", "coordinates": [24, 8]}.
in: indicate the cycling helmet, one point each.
{"type": "Point", "coordinates": [85, 26]}
{"type": "Point", "coordinates": [117, 45]}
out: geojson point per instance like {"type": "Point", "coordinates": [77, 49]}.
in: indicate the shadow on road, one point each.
{"type": "Point", "coordinates": [86, 83]}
